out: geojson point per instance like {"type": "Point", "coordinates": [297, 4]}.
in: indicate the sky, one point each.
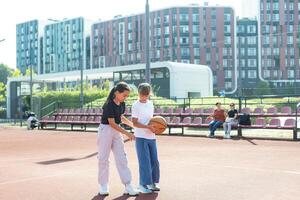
{"type": "Point", "coordinates": [18, 11]}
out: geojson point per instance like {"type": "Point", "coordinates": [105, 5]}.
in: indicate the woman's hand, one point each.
{"type": "Point", "coordinates": [130, 136]}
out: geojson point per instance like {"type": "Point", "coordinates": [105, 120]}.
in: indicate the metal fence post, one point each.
{"type": "Point", "coordinates": [295, 132]}
{"type": "Point", "coordinates": [240, 104]}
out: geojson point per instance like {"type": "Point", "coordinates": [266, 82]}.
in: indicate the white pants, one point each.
{"type": "Point", "coordinates": [228, 124]}
{"type": "Point", "coordinates": [109, 139]}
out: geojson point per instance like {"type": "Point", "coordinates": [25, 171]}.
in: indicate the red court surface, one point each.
{"type": "Point", "coordinates": [61, 165]}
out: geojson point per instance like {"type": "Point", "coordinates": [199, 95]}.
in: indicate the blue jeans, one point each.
{"type": "Point", "coordinates": [213, 126]}
{"type": "Point", "coordinates": [148, 161]}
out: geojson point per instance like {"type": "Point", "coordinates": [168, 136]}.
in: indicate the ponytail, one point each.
{"type": "Point", "coordinates": [120, 87]}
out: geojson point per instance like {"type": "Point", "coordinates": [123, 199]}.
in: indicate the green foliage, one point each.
{"type": "Point", "coordinates": [2, 113]}
{"type": "Point", "coordinates": [263, 88]}
{"type": "Point", "coordinates": [70, 99]}
{"type": "Point", "coordinates": [2, 92]}
{"type": "Point", "coordinates": [27, 73]}
{"type": "Point", "coordinates": [5, 72]}
{"type": "Point", "coordinates": [16, 73]}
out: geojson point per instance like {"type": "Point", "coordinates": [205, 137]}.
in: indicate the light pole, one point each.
{"type": "Point", "coordinates": [295, 82]}
{"type": "Point", "coordinates": [147, 40]}
{"type": "Point", "coordinates": [30, 81]}
{"type": "Point", "coordinates": [81, 84]}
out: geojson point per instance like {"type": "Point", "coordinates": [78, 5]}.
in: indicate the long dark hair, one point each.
{"type": "Point", "coordinates": [120, 87]}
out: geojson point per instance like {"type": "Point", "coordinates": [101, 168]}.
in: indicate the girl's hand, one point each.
{"type": "Point", "coordinates": [130, 136]}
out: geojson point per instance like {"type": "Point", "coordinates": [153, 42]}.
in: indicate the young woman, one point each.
{"type": "Point", "coordinates": [230, 121]}
{"type": "Point", "coordinates": [110, 139]}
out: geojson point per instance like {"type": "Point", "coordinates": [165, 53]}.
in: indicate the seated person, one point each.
{"type": "Point", "coordinates": [219, 116]}
{"type": "Point", "coordinates": [230, 121]}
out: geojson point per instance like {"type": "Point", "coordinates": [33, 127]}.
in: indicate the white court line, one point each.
{"type": "Point", "coordinates": [44, 177]}
{"type": "Point", "coordinates": [265, 170]}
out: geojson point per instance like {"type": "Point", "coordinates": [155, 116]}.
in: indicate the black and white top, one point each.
{"type": "Point", "coordinates": [231, 113]}
{"type": "Point", "coordinates": [112, 110]}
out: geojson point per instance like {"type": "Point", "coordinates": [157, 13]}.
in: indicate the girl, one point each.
{"type": "Point", "coordinates": [110, 138]}
{"type": "Point", "coordinates": [230, 121]}
{"type": "Point", "coordinates": [142, 112]}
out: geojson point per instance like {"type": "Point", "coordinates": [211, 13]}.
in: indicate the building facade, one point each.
{"type": "Point", "coordinates": [28, 46]}
{"type": "Point", "coordinates": [65, 47]}
{"type": "Point", "coordinates": [280, 42]}
{"type": "Point", "coordinates": [200, 35]}
{"type": "Point", "coordinates": [247, 53]}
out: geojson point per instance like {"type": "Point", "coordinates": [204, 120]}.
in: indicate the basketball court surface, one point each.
{"type": "Point", "coordinates": [62, 165]}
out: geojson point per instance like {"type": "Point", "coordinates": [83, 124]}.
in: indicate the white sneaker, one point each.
{"type": "Point", "coordinates": [227, 136]}
{"type": "Point", "coordinates": [154, 187]}
{"type": "Point", "coordinates": [104, 190]}
{"type": "Point", "coordinates": [129, 190]}
{"type": "Point", "coordinates": [144, 190]}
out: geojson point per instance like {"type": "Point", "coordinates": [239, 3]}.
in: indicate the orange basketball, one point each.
{"type": "Point", "coordinates": [159, 123]}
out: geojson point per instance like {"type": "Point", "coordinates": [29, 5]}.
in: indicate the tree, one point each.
{"type": "Point", "coordinates": [2, 92]}
{"type": "Point", "coordinates": [27, 73]}
{"type": "Point", "coordinates": [262, 88]}
{"type": "Point", "coordinates": [5, 72]}
{"type": "Point", "coordinates": [16, 73]}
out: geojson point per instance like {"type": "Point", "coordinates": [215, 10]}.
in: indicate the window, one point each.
{"type": "Point", "coordinates": [227, 17]}
{"type": "Point", "coordinates": [241, 29]}
{"type": "Point", "coordinates": [185, 51]}
{"type": "Point", "coordinates": [196, 52]}
{"type": "Point", "coordinates": [227, 29]}
{"type": "Point", "coordinates": [184, 40]}
{"type": "Point", "coordinates": [196, 40]}
{"type": "Point", "coordinates": [228, 85]}
{"type": "Point", "coordinates": [166, 19]}
{"type": "Point", "coordinates": [267, 73]}
{"type": "Point", "coordinates": [184, 29]}
{"type": "Point", "coordinates": [251, 40]}
{"type": "Point", "coordinates": [276, 51]}
{"type": "Point", "coordinates": [242, 40]}
{"type": "Point", "coordinates": [242, 63]}
{"type": "Point", "coordinates": [289, 39]}
{"type": "Point", "coordinates": [121, 38]}
{"type": "Point", "coordinates": [166, 41]}
{"type": "Point", "coordinates": [196, 28]}
{"type": "Point", "coordinates": [268, 5]}
{"type": "Point", "coordinates": [101, 61]}
{"type": "Point", "coordinates": [275, 17]}
{"type": "Point", "coordinates": [252, 63]}
{"type": "Point", "coordinates": [252, 51]}
{"type": "Point", "coordinates": [228, 74]}
{"type": "Point", "coordinates": [275, 6]}
{"type": "Point", "coordinates": [227, 40]}
{"type": "Point", "coordinates": [157, 32]}
{"type": "Point", "coordinates": [208, 57]}
{"type": "Point", "coordinates": [242, 51]}
{"type": "Point", "coordinates": [266, 40]}
{"type": "Point", "coordinates": [195, 17]}
{"type": "Point", "coordinates": [290, 73]}
{"type": "Point", "coordinates": [167, 30]}
{"type": "Point", "coordinates": [67, 38]}
{"type": "Point", "coordinates": [129, 46]}
{"type": "Point", "coordinates": [251, 29]}
{"type": "Point", "coordinates": [52, 62]}
{"type": "Point", "coordinates": [252, 74]}
{"type": "Point", "coordinates": [184, 17]}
